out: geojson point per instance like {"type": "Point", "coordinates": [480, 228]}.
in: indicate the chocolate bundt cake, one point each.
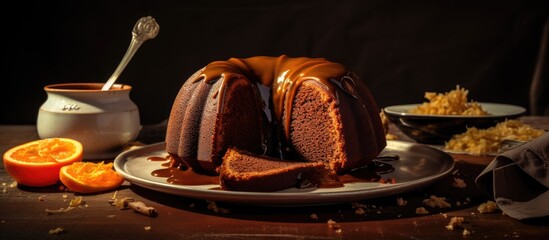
{"type": "Point", "coordinates": [290, 108]}
{"type": "Point", "coordinates": [243, 171]}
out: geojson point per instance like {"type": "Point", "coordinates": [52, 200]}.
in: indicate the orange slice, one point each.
{"type": "Point", "coordinates": [37, 163]}
{"type": "Point", "coordinates": [87, 177]}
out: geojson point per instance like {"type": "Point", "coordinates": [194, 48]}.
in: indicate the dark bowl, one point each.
{"type": "Point", "coordinates": [438, 129]}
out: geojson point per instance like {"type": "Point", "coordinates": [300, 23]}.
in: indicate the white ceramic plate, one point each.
{"type": "Point", "coordinates": [418, 166]}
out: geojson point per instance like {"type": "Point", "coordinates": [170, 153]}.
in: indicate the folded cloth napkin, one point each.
{"type": "Point", "coordinates": [518, 179]}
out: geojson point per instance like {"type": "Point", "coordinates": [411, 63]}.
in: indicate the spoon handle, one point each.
{"type": "Point", "coordinates": [145, 29]}
{"type": "Point", "coordinates": [134, 45]}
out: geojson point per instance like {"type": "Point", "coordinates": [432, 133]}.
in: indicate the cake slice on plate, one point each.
{"type": "Point", "coordinates": [244, 171]}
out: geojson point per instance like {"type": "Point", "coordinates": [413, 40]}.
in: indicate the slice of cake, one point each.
{"type": "Point", "coordinates": [243, 171]}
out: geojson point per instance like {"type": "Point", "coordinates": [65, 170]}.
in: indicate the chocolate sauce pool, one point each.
{"type": "Point", "coordinates": [181, 175]}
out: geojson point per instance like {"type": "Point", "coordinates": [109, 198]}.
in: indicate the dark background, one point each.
{"type": "Point", "coordinates": [399, 48]}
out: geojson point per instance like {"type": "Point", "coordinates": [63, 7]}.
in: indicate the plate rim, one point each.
{"type": "Point", "coordinates": [519, 111]}
{"type": "Point", "coordinates": [279, 198]}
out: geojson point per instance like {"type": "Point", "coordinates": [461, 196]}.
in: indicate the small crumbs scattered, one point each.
{"type": "Point", "coordinates": [466, 232]}
{"type": "Point", "coordinates": [334, 225]}
{"type": "Point", "coordinates": [147, 228]}
{"type": "Point", "coordinates": [4, 190]}
{"type": "Point", "coordinates": [314, 216]}
{"type": "Point", "coordinates": [56, 231]}
{"type": "Point", "coordinates": [111, 216]}
{"type": "Point", "coordinates": [421, 211]}
{"type": "Point", "coordinates": [359, 211]}
{"type": "Point", "coordinates": [77, 201]}
{"type": "Point", "coordinates": [459, 183]}
{"type": "Point", "coordinates": [65, 196]}
{"type": "Point", "coordinates": [458, 203]}
{"type": "Point", "coordinates": [455, 222]}
{"type": "Point", "coordinates": [13, 184]}
{"type": "Point", "coordinates": [212, 206]}
{"type": "Point", "coordinates": [401, 202]}
{"type": "Point", "coordinates": [444, 215]}
{"type": "Point", "coordinates": [435, 201]}
{"type": "Point", "coordinates": [42, 198]}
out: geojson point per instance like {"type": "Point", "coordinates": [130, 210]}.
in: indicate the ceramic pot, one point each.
{"type": "Point", "coordinates": [103, 121]}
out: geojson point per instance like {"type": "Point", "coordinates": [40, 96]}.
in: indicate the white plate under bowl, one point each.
{"type": "Point", "coordinates": [418, 166]}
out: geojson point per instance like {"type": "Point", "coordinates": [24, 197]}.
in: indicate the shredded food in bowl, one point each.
{"type": "Point", "coordinates": [450, 103]}
{"type": "Point", "coordinates": [484, 141]}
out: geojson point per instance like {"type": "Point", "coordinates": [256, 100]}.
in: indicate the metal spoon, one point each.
{"type": "Point", "coordinates": [146, 28]}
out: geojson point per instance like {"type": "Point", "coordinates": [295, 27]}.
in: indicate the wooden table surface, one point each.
{"type": "Point", "coordinates": [23, 215]}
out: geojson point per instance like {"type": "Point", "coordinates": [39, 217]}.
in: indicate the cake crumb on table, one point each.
{"type": "Point", "coordinates": [42, 198]}
{"type": "Point", "coordinates": [74, 203]}
{"type": "Point", "coordinates": [435, 201]}
{"type": "Point", "coordinates": [454, 223]}
{"type": "Point", "coordinates": [212, 206]}
{"type": "Point", "coordinates": [334, 225]}
{"type": "Point", "coordinates": [359, 211]}
{"type": "Point", "coordinates": [136, 206]}
{"type": "Point", "coordinates": [147, 228]}
{"type": "Point", "coordinates": [401, 202]}
{"type": "Point", "coordinates": [421, 210]}
{"type": "Point", "coordinates": [487, 207]}
{"type": "Point", "coordinates": [56, 231]}
{"type": "Point", "coordinates": [459, 183]}
{"type": "Point", "coordinates": [314, 216]}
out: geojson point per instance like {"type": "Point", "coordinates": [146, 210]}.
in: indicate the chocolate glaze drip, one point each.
{"type": "Point", "coordinates": [277, 79]}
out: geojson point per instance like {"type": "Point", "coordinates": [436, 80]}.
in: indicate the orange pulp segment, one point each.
{"type": "Point", "coordinates": [88, 177]}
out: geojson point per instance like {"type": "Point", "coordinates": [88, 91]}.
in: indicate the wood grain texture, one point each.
{"type": "Point", "coordinates": [23, 215]}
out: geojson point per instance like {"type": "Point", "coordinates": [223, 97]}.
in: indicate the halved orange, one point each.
{"type": "Point", "coordinates": [88, 177]}
{"type": "Point", "coordinates": [37, 163]}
